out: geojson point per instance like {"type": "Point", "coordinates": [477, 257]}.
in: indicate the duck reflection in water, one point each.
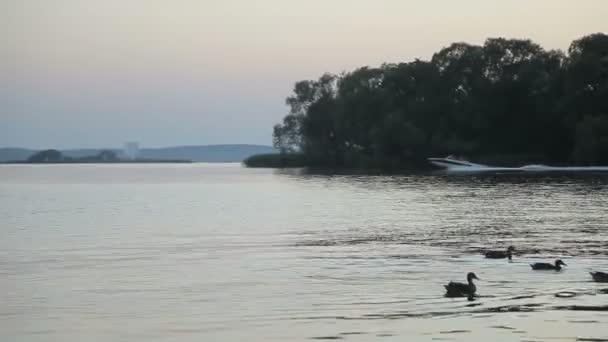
{"type": "Point", "coordinates": [501, 254]}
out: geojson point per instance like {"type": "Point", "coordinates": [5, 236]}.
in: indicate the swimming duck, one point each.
{"type": "Point", "coordinates": [500, 254]}
{"type": "Point", "coordinates": [547, 266]}
{"type": "Point", "coordinates": [600, 277]}
{"type": "Point", "coordinates": [462, 290]}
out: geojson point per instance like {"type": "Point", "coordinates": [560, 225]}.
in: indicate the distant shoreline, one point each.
{"type": "Point", "coordinates": [194, 153]}
{"type": "Point", "coordinates": [150, 161]}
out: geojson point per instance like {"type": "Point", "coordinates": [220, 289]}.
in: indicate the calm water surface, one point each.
{"type": "Point", "coordinates": [221, 253]}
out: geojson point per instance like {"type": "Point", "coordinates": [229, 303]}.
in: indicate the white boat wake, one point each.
{"type": "Point", "coordinates": [452, 164]}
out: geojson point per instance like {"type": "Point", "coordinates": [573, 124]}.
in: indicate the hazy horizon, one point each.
{"type": "Point", "coordinates": [122, 147]}
{"type": "Point", "coordinates": [86, 74]}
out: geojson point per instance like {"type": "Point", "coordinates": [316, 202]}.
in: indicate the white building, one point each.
{"type": "Point", "coordinates": [131, 149]}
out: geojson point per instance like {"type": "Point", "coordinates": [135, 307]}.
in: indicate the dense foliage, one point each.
{"type": "Point", "coordinates": [509, 99]}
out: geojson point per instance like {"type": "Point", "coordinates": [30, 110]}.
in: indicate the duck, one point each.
{"type": "Point", "coordinates": [455, 289]}
{"type": "Point", "coordinates": [501, 254]}
{"type": "Point", "coordinates": [547, 266]}
{"type": "Point", "coordinates": [600, 277]}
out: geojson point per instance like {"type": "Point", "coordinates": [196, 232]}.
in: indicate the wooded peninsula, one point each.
{"type": "Point", "coordinates": [508, 101]}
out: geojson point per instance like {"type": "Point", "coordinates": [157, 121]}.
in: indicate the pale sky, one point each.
{"type": "Point", "coordinates": [84, 73]}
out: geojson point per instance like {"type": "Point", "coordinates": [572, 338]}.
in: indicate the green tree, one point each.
{"type": "Point", "coordinates": [508, 97]}
{"type": "Point", "coordinates": [586, 76]}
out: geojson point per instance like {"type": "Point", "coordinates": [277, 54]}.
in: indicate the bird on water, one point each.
{"type": "Point", "coordinates": [547, 266]}
{"type": "Point", "coordinates": [600, 277]}
{"type": "Point", "coordinates": [501, 254]}
{"type": "Point", "coordinates": [455, 289]}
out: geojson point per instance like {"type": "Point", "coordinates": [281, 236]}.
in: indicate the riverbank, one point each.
{"type": "Point", "coordinates": [277, 160]}
{"type": "Point", "coordinates": [352, 163]}
{"type": "Point", "coordinates": [366, 164]}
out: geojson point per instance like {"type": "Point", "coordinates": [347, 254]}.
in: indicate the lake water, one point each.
{"type": "Point", "coordinates": [217, 252]}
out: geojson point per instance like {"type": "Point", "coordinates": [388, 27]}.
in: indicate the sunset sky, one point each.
{"type": "Point", "coordinates": [81, 73]}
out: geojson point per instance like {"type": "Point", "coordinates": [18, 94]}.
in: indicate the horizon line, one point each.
{"type": "Point", "coordinates": [121, 148]}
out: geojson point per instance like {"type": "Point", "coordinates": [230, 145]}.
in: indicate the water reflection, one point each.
{"type": "Point", "coordinates": [222, 253]}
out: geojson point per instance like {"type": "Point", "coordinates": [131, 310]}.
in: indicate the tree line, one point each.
{"type": "Point", "coordinates": [507, 101]}
{"type": "Point", "coordinates": [55, 156]}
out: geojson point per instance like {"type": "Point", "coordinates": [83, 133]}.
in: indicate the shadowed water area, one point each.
{"type": "Point", "coordinates": [221, 253]}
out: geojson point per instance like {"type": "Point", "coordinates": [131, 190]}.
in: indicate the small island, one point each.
{"type": "Point", "coordinates": [506, 102]}
{"type": "Point", "coordinates": [52, 156]}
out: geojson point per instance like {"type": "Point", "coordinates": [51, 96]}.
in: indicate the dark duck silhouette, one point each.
{"type": "Point", "coordinates": [547, 266]}
{"type": "Point", "coordinates": [501, 254]}
{"type": "Point", "coordinates": [600, 277]}
{"type": "Point", "coordinates": [455, 289]}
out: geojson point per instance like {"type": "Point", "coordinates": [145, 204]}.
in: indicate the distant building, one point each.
{"type": "Point", "coordinates": [131, 150]}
